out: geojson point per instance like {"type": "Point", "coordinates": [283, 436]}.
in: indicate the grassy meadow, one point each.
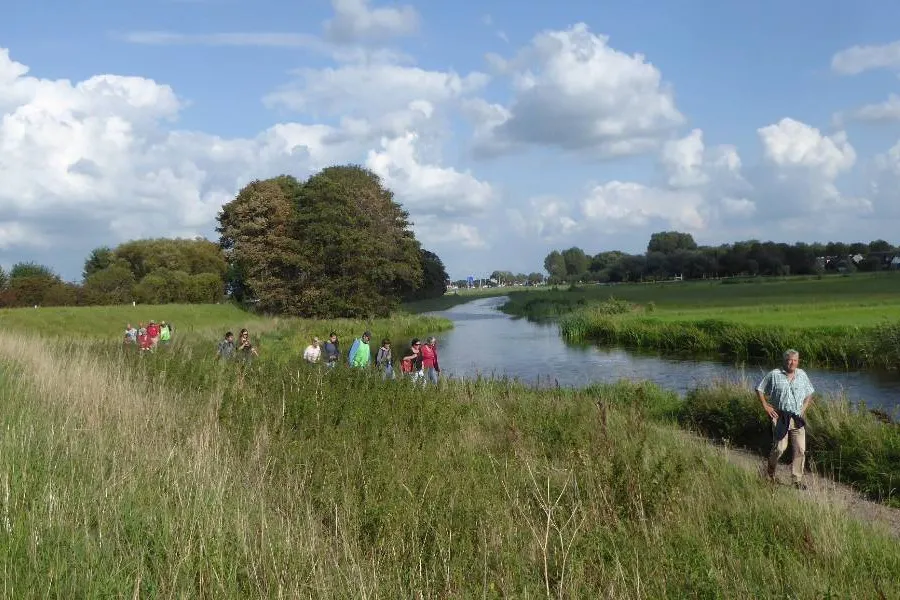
{"type": "Point", "coordinates": [173, 475]}
{"type": "Point", "coordinates": [840, 322]}
{"type": "Point", "coordinates": [860, 288]}
{"type": "Point", "coordinates": [109, 321]}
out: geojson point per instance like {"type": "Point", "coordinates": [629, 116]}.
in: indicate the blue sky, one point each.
{"type": "Point", "coordinates": [506, 132]}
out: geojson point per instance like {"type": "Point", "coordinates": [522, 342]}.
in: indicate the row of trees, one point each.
{"type": "Point", "coordinates": [155, 271]}
{"type": "Point", "coordinates": [336, 244]}
{"type": "Point", "coordinates": [672, 253]}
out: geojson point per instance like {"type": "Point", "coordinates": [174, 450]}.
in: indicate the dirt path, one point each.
{"type": "Point", "coordinates": [821, 489]}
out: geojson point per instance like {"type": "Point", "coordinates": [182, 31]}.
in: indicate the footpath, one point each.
{"type": "Point", "coordinates": [822, 490]}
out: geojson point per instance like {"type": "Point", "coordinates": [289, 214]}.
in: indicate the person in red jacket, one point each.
{"type": "Point", "coordinates": [430, 360]}
{"type": "Point", "coordinates": [143, 340]}
{"type": "Point", "coordinates": [153, 332]}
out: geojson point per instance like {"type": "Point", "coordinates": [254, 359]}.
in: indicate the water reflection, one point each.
{"type": "Point", "coordinates": [488, 342]}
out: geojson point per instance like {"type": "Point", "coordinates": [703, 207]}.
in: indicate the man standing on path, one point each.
{"type": "Point", "coordinates": [363, 354]}
{"type": "Point", "coordinates": [785, 394]}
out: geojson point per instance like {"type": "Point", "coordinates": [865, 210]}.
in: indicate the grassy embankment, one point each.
{"type": "Point", "coordinates": [172, 475]}
{"type": "Point", "coordinates": [840, 322]}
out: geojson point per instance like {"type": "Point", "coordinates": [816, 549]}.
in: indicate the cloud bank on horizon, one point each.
{"type": "Point", "coordinates": [565, 140]}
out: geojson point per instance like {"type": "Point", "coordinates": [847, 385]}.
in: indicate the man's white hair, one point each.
{"type": "Point", "coordinates": [789, 353]}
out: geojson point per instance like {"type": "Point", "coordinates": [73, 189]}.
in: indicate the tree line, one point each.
{"type": "Point", "coordinates": [335, 245]}
{"type": "Point", "coordinates": [671, 253]}
{"type": "Point", "coordinates": [151, 271]}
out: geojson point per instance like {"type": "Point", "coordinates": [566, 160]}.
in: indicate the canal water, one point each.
{"type": "Point", "coordinates": [485, 341]}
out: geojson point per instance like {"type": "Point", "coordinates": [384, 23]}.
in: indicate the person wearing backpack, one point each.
{"type": "Point", "coordinates": [412, 361]}
{"type": "Point", "coordinates": [383, 360]}
{"type": "Point", "coordinates": [360, 354]}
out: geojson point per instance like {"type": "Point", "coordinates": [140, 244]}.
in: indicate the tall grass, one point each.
{"type": "Point", "coordinates": [837, 346]}
{"type": "Point", "coordinates": [125, 475]}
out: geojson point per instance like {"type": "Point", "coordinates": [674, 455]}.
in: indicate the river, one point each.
{"type": "Point", "coordinates": [485, 341]}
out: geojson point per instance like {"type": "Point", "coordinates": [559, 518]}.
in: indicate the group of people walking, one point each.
{"type": "Point", "coordinates": [148, 338]}
{"type": "Point", "coordinates": [243, 349]}
{"type": "Point", "coordinates": [785, 393]}
{"type": "Point", "coordinates": [419, 362]}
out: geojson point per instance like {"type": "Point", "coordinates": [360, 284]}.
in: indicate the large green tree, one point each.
{"type": "Point", "coordinates": [555, 265]}
{"type": "Point", "coordinates": [112, 284]}
{"type": "Point", "coordinates": [99, 259]}
{"type": "Point", "coordinates": [192, 256]}
{"type": "Point", "coordinates": [334, 245]}
{"type": "Point", "coordinates": [30, 282]}
{"type": "Point", "coordinates": [577, 262]}
{"type": "Point", "coordinates": [434, 278]}
{"type": "Point", "coordinates": [668, 242]}
{"type": "Point", "coordinates": [258, 234]}
{"type": "Point", "coordinates": [155, 271]}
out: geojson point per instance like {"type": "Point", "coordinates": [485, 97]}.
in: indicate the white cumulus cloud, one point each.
{"type": "Point", "coordinates": [99, 161]}
{"type": "Point", "coordinates": [858, 59]}
{"type": "Point", "coordinates": [427, 188]}
{"type": "Point", "coordinates": [355, 21]}
{"type": "Point", "coordinates": [572, 90]}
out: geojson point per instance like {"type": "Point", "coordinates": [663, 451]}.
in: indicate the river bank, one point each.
{"type": "Point", "coordinates": [846, 323]}
{"type": "Point", "coordinates": [301, 481]}
{"type": "Point", "coordinates": [846, 439]}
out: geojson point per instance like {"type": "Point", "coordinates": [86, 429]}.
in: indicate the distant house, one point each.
{"type": "Point", "coordinates": [895, 262]}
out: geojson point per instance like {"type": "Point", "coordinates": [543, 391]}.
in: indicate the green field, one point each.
{"type": "Point", "coordinates": [110, 321]}
{"type": "Point", "coordinates": [173, 475]}
{"type": "Point", "coordinates": [862, 289]}
{"type": "Point", "coordinates": [848, 322]}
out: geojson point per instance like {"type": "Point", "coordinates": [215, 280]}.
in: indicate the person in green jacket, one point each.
{"type": "Point", "coordinates": [165, 333]}
{"type": "Point", "coordinates": [363, 355]}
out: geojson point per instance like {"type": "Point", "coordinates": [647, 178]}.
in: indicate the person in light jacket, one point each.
{"type": "Point", "coordinates": [313, 352]}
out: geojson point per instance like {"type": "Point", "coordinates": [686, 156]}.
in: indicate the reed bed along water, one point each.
{"type": "Point", "coordinates": [836, 346]}
{"type": "Point", "coordinates": [173, 475]}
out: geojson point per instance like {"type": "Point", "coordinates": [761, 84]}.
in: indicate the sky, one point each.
{"type": "Point", "coordinates": [505, 131]}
